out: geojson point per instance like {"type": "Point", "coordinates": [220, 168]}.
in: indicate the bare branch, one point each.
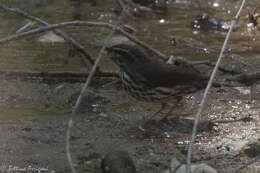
{"type": "Point", "coordinates": [54, 76]}
{"type": "Point", "coordinates": [77, 45]}
{"type": "Point", "coordinates": [194, 131]}
{"type": "Point", "coordinates": [84, 23]}
{"type": "Point", "coordinates": [246, 78]}
{"type": "Point", "coordinates": [74, 110]}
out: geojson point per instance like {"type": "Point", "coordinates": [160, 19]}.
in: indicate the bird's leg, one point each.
{"type": "Point", "coordinates": [168, 114]}
{"type": "Point", "coordinates": [178, 99]}
{"type": "Point", "coordinates": [163, 106]}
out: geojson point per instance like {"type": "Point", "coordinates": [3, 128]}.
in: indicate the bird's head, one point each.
{"type": "Point", "coordinates": [125, 54]}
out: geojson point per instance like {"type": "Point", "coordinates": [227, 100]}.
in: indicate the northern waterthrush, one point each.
{"type": "Point", "coordinates": [150, 80]}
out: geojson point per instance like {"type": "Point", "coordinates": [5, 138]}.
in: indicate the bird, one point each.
{"type": "Point", "coordinates": [147, 79]}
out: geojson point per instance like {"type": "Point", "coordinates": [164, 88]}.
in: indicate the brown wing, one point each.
{"type": "Point", "coordinates": [166, 75]}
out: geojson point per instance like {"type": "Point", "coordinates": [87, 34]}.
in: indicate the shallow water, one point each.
{"type": "Point", "coordinates": [155, 29]}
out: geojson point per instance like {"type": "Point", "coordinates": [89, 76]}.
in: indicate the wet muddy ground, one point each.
{"type": "Point", "coordinates": [33, 128]}
{"type": "Point", "coordinates": [34, 113]}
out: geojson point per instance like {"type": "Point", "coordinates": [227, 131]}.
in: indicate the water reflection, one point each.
{"type": "Point", "coordinates": [148, 25]}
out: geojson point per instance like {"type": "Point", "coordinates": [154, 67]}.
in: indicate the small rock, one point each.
{"type": "Point", "coordinates": [203, 168]}
{"type": "Point", "coordinates": [177, 167]}
{"type": "Point", "coordinates": [206, 23]}
{"type": "Point", "coordinates": [252, 149]}
{"type": "Point", "coordinates": [50, 37]}
{"type": "Point", "coordinates": [238, 145]}
{"type": "Point", "coordinates": [118, 162]}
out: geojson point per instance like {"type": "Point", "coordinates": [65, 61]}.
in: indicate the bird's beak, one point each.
{"type": "Point", "coordinates": [118, 49]}
{"type": "Point", "coordinates": [109, 49]}
{"type": "Point", "coordinates": [113, 49]}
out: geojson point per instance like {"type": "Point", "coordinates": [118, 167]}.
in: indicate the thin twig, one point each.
{"type": "Point", "coordinates": [221, 68]}
{"type": "Point", "coordinates": [54, 76]}
{"type": "Point", "coordinates": [246, 78]}
{"type": "Point", "coordinates": [85, 23]}
{"type": "Point", "coordinates": [77, 45]}
{"type": "Point", "coordinates": [210, 64]}
{"type": "Point", "coordinates": [194, 131]}
{"type": "Point", "coordinates": [92, 72]}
